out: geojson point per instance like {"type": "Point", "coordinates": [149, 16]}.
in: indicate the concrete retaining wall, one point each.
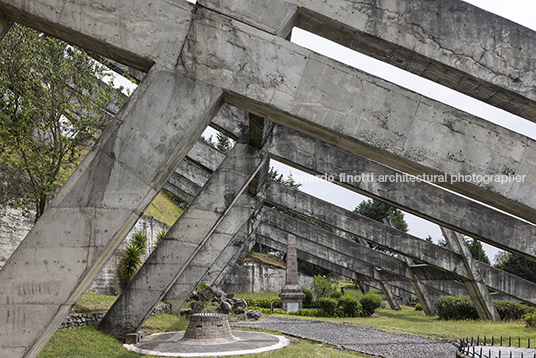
{"type": "Point", "coordinates": [14, 226]}
{"type": "Point", "coordinates": [248, 277]}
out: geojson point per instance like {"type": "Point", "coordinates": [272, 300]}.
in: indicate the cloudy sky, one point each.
{"type": "Point", "coordinates": [520, 11]}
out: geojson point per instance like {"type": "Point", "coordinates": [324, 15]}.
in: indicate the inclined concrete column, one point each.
{"type": "Point", "coordinates": [5, 25]}
{"type": "Point", "coordinates": [99, 204]}
{"type": "Point", "coordinates": [387, 291]}
{"type": "Point", "coordinates": [193, 243]}
{"type": "Point", "coordinates": [475, 285]}
{"type": "Point", "coordinates": [420, 290]}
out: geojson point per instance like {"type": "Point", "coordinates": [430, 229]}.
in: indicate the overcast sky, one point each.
{"type": "Point", "coordinates": [520, 11]}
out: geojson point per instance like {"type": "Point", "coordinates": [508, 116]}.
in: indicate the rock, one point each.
{"type": "Point", "coordinates": [206, 310]}
{"type": "Point", "coordinates": [253, 314]}
{"type": "Point", "coordinates": [230, 295]}
{"type": "Point", "coordinates": [226, 307]}
{"type": "Point", "coordinates": [240, 303]}
{"type": "Point", "coordinates": [186, 312]}
{"type": "Point", "coordinates": [197, 306]}
{"type": "Point", "coordinates": [241, 317]}
{"type": "Point", "coordinates": [239, 310]}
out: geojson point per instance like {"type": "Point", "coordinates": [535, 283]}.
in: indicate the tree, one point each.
{"type": "Point", "coordinates": [477, 251]}
{"type": "Point", "coordinates": [51, 107]}
{"type": "Point", "coordinates": [280, 178]}
{"type": "Point", "coordinates": [378, 211]}
{"type": "Point", "coordinates": [516, 265]}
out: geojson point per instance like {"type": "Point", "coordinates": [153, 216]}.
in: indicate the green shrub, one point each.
{"type": "Point", "coordinates": [456, 307]}
{"type": "Point", "coordinates": [315, 304]}
{"type": "Point", "coordinates": [418, 307]}
{"type": "Point", "coordinates": [328, 305]}
{"type": "Point", "coordinates": [530, 319]}
{"type": "Point", "coordinates": [264, 302]}
{"type": "Point", "coordinates": [130, 262]}
{"type": "Point", "coordinates": [335, 294]}
{"type": "Point", "coordinates": [321, 286]}
{"type": "Point", "coordinates": [140, 239]}
{"type": "Point", "coordinates": [370, 302]}
{"type": "Point", "coordinates": [308, 300]}
{"type": "Point", "coordinates": [309, 313]}
{"type": "Point", "coordinates": [509, 310]}
{"type": "Point", "coordinates": [349, 306]}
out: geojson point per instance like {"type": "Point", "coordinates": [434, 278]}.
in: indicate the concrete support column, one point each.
{"type": "Point", "coordinates": [362, 283]}
{"type": "Point", "coordinates": [193, 243]}
{"type": "Point", "coordinates": [99, 204]}
{"type": "Point", "coordinates": [5, 25]}
{"type": "Point", "coordinates": [388, 292]}
{"type": "Point", "coordinates": [420, 290]}
{"type": "Point", "coordinates": [475, 285]}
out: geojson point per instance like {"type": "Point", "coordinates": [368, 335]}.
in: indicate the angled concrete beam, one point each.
{"type": "Point", "coordinates": [420, 290]}
{"type": "Point", "coordinates": [98, 205]}
{"type": "Point", "coordinates": [397, 241]}
{"type": "Point", "coordinates": [5, 25]}
{"type": "Point", "coordinates": [206, 155]}
{"type": "Point", "coordinates": [193, 243]}
{"type": "Point", "coordinates": [326, 99]}
{"type": "Point", "coordinates": [193, 173]}
{"type": "Point", "coordinates": [229, 236]}
{"type": "Point", "coordinates": [349, 248]}
{"type": "Point", "coordinates": [128, 32]}
{"type": "Point", "coordinates": [231, 121]}
{"type": "Point", "coordinates": [183, 184]}
{"type": "Point", "coordinates": [493, 63]}
{"type": "Point", "coordinates": [475, 285]}
{"type": "Point", "coordinates": [447, 209]}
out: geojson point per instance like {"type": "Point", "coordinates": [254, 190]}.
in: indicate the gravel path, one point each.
{"type": "Point", "coordinates": [369, 341]}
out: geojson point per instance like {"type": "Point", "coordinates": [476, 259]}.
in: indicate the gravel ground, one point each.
{"type": "Point", "coordinates": [369, 341]}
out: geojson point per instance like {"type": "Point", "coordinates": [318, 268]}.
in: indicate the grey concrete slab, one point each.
{"type": "Point", "coordinates": [493, 63]}
{"type": "Point", "coordinates": [129, 32]}
{"type": "Point", "coordinates": [98, 205]}
{"type": "Point", "coordinates": [193, 243]}
{"type": "Point", "coordinates": [326, 99]}
{"type": "Point", "coordinates": [170, 345]}
{"type": "Point", "coordinates": [5, 24]}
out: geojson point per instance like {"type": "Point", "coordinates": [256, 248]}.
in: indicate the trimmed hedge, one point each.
{"type": "Point", "coordinates": [328, 305]}
{"type": "Point", "coordinates": [264, 302]}
{"type": "Point", "coordinates": [335, 294]}
{"type": "Point", "coordinates": [370, 302]}
{"type": "Point", "coordinates": [349, 306]}
{"type": "Point", "coordinates": [462, 307]}
{"type": "Point", "coordinates": [308, 300]}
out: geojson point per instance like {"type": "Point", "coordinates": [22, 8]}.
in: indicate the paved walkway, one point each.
{"type": "Point", "coordinates": [169, 345]}
{"type": "Point", "coordinates": [369, 341]}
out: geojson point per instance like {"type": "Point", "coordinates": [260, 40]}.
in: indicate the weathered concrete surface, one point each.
{"type": "Point", "coordinates": [326, 99]}
{"type": "Point", "coordinates": [244, 213]}
{"type": "Point", "coordinates": [397, 241]}
{"type": "Point", "coordinates": [193, 243]}
{"type": "Point", "coordinates": [291, 293]}
{"type": "Point", "coordinates": [205, 155]}
{"type": "Point", "coordinates": [446, 209]}
{"type": "Point", "coordinates": [130, 32]}
{"type": "Point", "coordinates": [5, 24]}
{"type": "Point", "coordinates": [447, 41]}
{"type": "Point", "coordinates": [475, 285]}
{"type": "Point", "coordinates": [98, 205]}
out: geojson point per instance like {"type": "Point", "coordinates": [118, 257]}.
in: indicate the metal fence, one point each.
{"type": "Point", "coordinates": [495, 347]}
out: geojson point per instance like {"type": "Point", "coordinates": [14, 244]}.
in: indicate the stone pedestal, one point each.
{"type": "Point", "coordinates": [208, 328]}
{"type": "Point", "coordinates": [292, 295]}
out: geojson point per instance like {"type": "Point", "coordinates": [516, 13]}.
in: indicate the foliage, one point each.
{"type": "Point", "coordinates": [223, 143]}
{"type": "Point", "coordinates": [530, 319]}
{"type": "Point", "coordinates": [52, 102]}
{"type": "Point", "coordinates": [308, 300]}
{"type": "Point", "coordinates": [328, 305]}
{"type": "Point", "coordinates": [418, 307]}
{"type": "Point", "coordinates": [509, 310]}
{"type": "Point", "coordinates": [378, 211]}
{"type": "Point", "coordinates": [159, 237]}
{"type": "Point", "coordinates": [516, 265]}
{"type": "Point", "coordinates": [321, 286]}
{"type": "Point", "coordinates": [477, 251]}
{"type": "Point", "coordinates": [131, 260]}
{"type": "Point", "coordinates": [349, 306]}
{"type": "Point", "coordinates": [335, 294]}
{"type": "Point", "coordinates": [370, 302]}
{"type": "Point", "coordinates": [264, 302]}
{"type": "Point", "coordinates": [280, 178]}
{"type": "Point", "coordinates": [164, 209]}
{"type": "Point", "coordinates": [456, 307]}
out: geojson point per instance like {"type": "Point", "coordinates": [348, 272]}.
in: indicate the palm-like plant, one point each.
{"type": "Point", "coordinates": [132, 257]}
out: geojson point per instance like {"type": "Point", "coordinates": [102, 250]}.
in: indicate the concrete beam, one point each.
{"type": "Point", "coordinates": [5, 24]}
{"type": "Point", "coordinates": [475, 285]}
{"type": "Point", "coordinates": [323, 98]}
{"type": "Point", "coordinates": [206, 155]}
{"type": "Point", "coordinates": [493, 63]}
{"type": "Point", "coordinates": [447, 209]}
{"type": "Point", "coordinates": [98, 205]}
{"type": "Point", "coordinates": [420, 290]}
{"type": "Point", "coordinates": [193, 243]}
{"type": "Point", "coordinates": [397, 241]}
{"type": "Point", "coordinates": [129, 32]}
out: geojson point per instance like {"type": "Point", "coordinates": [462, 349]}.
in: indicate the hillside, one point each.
{"type": "Point", "coordinates": [164, 209]}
